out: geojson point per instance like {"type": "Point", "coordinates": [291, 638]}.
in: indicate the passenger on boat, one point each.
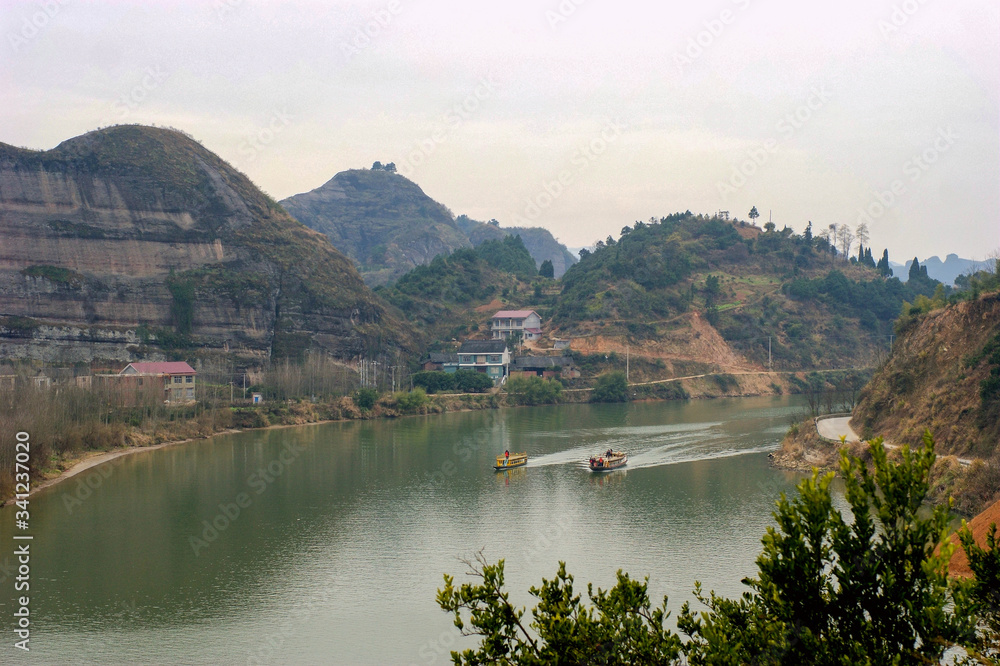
{"type": "Point", "coordinates": [609, 453]}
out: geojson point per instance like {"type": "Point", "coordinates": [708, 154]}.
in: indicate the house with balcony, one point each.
{"type": "Point", "coordinates": [487, 356]}
{"type": "Point", "coordinates": [525, 323]}
{"type": "Point", "coordinates": [177, 379]}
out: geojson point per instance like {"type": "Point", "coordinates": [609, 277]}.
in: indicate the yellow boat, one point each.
{"type": "Point", "coordinates": [509, 460]}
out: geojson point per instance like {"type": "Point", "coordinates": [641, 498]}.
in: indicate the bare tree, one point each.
{"type": "Point", "coordinates": [846, 239]}
{"type": "Point", "coordinates": [862, 233]}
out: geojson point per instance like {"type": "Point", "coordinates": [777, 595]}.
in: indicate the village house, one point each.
{"type": "Point", "coordinates": [525, 323]}
{"type": "Point", "coordinates": [488, 356]}
{"type": "Point", "coordinates": [176, 377]}
{"type": "Point", "coordinates": [445, 362]}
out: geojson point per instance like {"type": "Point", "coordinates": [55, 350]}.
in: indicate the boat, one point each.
{"type": "Point", "coordinates": [608, 461]}
{"type": "Point", "coordinates": [509, 460]}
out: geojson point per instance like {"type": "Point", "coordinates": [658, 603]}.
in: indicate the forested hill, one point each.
{"type": "Point", "coordinates": [388, 225]}
{"type": "Point", "coordinates": [541, 244]}
{"type": "Point", "coordinates": [454, 296]}
{"type": "Point", "coordinates": [667, 286]}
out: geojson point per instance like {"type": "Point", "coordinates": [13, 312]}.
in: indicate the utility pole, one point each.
{"type": "Point", "coordinates": [769, 367]}
{"type": "Point", "coordinates": [890, 342]}
{"type": "Point", "coordinates": [626, 364]}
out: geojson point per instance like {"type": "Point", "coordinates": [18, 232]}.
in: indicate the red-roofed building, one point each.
{"type": "Point", "coordinates": [525, 323]}
{"type": "Point", "coordinates": [177, 378]}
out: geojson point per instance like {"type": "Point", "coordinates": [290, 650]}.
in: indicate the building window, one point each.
{"type": "Point", "coordinates": [189, 379]}
{"type": "Point", "coordinates": [190, 394]}
{"type": "Point", "coordinates": [178, 380]}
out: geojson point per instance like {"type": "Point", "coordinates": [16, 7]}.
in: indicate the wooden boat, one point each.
{"type": "Point", "coordinates": [608, 461]}
{"type": "Point", "coordinates": [511, 460]}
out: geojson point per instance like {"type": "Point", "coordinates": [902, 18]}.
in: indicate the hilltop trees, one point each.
{"type": "Point", "coordinates": [753, 215]}
{"type": "Point", "coordinates": [870, 588]}
{"type": "Point", "coordinates": [508, 254]}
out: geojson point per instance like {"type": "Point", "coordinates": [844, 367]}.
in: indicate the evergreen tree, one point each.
{"type": "Point", "coordinates": [915, 269]}
{"type": "Point", "coordinates": [546, 270]}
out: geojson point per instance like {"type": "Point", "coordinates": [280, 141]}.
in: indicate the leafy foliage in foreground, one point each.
{"type": "Point", "coordinates": [873, 591]}
{"type": "Point", "coordinates": [985, 592]}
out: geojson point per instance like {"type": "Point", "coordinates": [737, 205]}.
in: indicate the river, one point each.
{"type": "Point", "coordinates": [326, 544]}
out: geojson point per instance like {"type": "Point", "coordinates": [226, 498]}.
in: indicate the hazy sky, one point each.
{"type": "Point", "coordinates": [580, 116]}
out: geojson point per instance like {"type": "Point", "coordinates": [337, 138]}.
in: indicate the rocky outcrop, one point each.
{"type": "Point", "coordinates": [135, 241]}
{"type": "Point", "coordinates": [381, 220]}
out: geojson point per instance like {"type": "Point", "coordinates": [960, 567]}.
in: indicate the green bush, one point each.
{"type": "Point", "coordinates": [433, 381]}
{"type": "Point", "coordinates": [612, 387]}
{"type": "Point", "coordinates": [413, 401]}
{"type": "Point", "coordinates": [365, 398]}
{"type": "Point", "coordinates": [470, 381]}
{"type": "Point", "coordinates": [533, 391]}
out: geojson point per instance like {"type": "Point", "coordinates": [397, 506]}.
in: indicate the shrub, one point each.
{"type": "Point", "coordinates": [365, 398]}
{"type": "Point", "coordinates": [533, 391]}
{"type": "Point", "coordinates": [433, 381]}
{"type": "Point", "coordinates": [470, 381]}
{"type": "Point", "coordinates": [611, 387]}
{"type": "Point", "coordinates": [413, 401]}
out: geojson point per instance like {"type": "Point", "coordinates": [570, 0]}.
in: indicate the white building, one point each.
{"type": "Point", "coordinates": [525, 323]}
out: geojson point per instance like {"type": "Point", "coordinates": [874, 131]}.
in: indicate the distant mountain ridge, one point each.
{"type": "Point", "coordinates": [133, 241]}
{"type": "Point", "coordinates": [946, 271]}
{"type": "Point", "coordinates": [388, 225]}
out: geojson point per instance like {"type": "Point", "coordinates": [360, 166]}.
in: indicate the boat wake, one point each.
{"type": "Point", "coordinates": [653, 446]}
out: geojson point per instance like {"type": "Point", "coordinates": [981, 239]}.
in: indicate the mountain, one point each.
{"type": "Point", "coordinates": [388, 225]}
{"type": "Point", "coordinates": [945, 271]}
{"type": "Point", "coordinates": [381, 220]}
{"type": "Point", "coordinates": [136, 241]}
{"type": "Point", "coordinates": [727, 294]}
{"type": "Point", "coordinates": [540, 242]}
{"type": "Point", "coordinates": [944, 375]}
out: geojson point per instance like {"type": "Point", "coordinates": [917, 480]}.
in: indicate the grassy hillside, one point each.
{"type": "Point", "coordinates": [944, 374]}
{"type": "Point", "coordinates": [666, 279]}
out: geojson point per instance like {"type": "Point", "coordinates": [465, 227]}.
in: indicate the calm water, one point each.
{"type": "Point", "coordinates": [346, 529]}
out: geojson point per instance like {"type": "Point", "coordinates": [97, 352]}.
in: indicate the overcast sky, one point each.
{"type": "Point", "coordinates": [580, 117]}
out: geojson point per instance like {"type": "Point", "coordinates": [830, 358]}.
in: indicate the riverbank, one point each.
{"type": "Point", "coordinates": [804, 448]}
{"type": "Point", "coordinates": [118, 439]}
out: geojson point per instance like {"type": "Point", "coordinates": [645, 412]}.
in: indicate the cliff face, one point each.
{"type": "Point", "coordinates": [935, 379]}
{"type": "Point", "coordinates": [132, 241]}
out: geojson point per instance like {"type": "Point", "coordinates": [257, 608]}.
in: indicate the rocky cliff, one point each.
{"type": "Point", "coordinates": [381, 220]}
{"type": "Point", "coordinates": [136, 241]}
{"type": "Point", "coordinates": [388, 225]}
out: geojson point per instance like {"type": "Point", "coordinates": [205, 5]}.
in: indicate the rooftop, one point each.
{"type": "Point", "coordinates": [483, 347]}
{"type": "Point", "coordinates": [514, 314]}
{"type": "Point", "coordinates": [160, 368]}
